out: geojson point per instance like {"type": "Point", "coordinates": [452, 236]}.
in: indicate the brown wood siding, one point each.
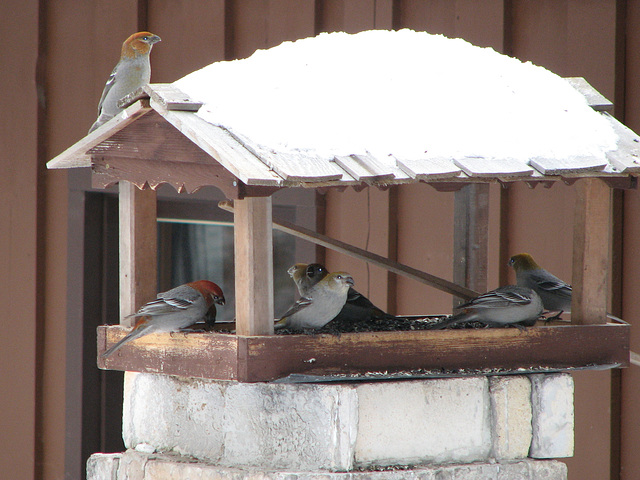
{"type": "Point", "coordinates": [412, 224]}
{"type": "Point", "coordinates": [19, 190]}
{"type": "Point", "coordinates": [630, 391]}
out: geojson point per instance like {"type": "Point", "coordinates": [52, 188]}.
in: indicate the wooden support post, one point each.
{"type": "Point", "coordinates": [138, 248]}
{"type": "Point", "coordinates": [470, 237]}
{"type": "Point", "coordinates": [591, 248]}
{"type": "Point", "coordinates": [253, 242]}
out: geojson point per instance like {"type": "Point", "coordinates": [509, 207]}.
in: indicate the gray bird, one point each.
{"type": "Point", "coordinates": [174, 310]}
{"type": "Point", "coordinates": [555, 293]}
{"type": "Point", "coordinates": [510, 305]}
{"type": "Point", "coordinates": [320, 305]}
{"type": "Point", "coordinates": [132, 72]}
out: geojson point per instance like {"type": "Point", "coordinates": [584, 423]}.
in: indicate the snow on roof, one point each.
{"type": "Point", "coordinates": [409, 94]}
{"type": "Point", "coordinates": [377, 108]}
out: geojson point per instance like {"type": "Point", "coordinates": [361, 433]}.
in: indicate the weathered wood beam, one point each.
{"type": "Point", "coordinates": [138, 248]}
{"type": "Point", "coordinates": [266, 358]}
{"type": "Point", "coordinates": [470, 237]}
{"type": "Point", "coordinates": [253, 242]}
{"type": "Point", "coordinates": [591, 249]}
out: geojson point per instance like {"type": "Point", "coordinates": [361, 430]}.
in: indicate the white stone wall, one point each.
{"type": "Point", "coordinates": [133, 465]}
{"type": "Point", "coordinates": [341, 427]}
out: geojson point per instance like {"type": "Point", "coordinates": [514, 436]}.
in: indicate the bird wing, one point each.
{"type": "Point", "coordinates": [356, 298]}
{"type": "Point", "coordinates": [498, 299]}
{"type": "Point", "coordinates": [556, 286]}
{"type": "Point", "coordinates": [171, 301]}
{"type": "Point", "coordinates": [163, 306]}
{"type": "Point", "coordinates": [301, 303]}
{"type": "Point", "coordinates": [110, 81]}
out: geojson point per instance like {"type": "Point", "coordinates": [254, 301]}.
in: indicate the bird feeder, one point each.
{"type": "Point", "coordinates": [159, 139]}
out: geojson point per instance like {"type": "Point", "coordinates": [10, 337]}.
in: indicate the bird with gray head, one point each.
{"type": "Point", "coordinates": [320, 304]}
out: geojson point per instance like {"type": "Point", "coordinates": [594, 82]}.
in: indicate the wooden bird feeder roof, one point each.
{"type": "Point", "coordinates": [159, 139]}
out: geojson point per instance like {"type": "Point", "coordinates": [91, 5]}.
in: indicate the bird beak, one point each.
{"type": "Point", "coordinates": [220, 301]}
{"type": "Point", "coordinates": [154, 39]}
{"type": "Point", "coordinates": [349, 281]}
{"type": "Point", "coordinates": [291, 270]}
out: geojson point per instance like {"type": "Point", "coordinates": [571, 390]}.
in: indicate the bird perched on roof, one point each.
{"type": "Point", "coordinates": [132, 72]}
{"type": "Point", "coordinates": [357, 308]}
{"type": "Point", "coordinates": [510, 305]}
{"type": "Point", "coordinates": [320, 304]}
{"type": "Point", "coordinates": [555, 294]}
{"type": "Point", "coordinates": [174, 310]}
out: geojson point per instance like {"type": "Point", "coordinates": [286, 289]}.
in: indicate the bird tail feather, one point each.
{"type": "Point", "coordinates": [135, 333]}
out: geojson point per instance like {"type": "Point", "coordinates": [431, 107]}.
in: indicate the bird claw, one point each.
{"type": "Point", "coordinates": [557, 316]}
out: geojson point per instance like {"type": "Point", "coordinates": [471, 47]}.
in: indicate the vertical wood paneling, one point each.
{"type": "Point", "coordinates": [591, 43]}
{"type": "Point", "coordinates": [433, 16]}
{"type": "Point", "coordinates": [349, 16]}
{"type": "Point", "coordinates": [630, 421]}
{"type": "Point", "coordinates": [480, 23]}
{"type": "Point", "coordinates": [539, 33]}
{"type": "Point", "coordinates": [193, 36]}
{"type": "Point", "coordinates": [266, 23]}
{"type": "Point", "coordinates": [425, 242]}
{"type": "Point", "coordinates": [18, 248]}
{"type": "Point", "coordinates": [630, 433]}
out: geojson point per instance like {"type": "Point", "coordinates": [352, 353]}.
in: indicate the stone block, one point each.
{"type": "Point", "coordinates": [272, 426]}
{"type": "Point", "coordinates": [174, 414]}
{"type": "Point", "coordinates": [132, 465]}
{"type": "Point", "coordinates": [510, 416]}
{"type": "Point", "coordinates": [548, 470]}
{"type": "Point", "coordinates": [552, 416]}
{"type": "Point", "coordinates": [103, 466]}
{"type": "Point", "coordinates": [444, 420]}
{"type": "Point", "coordinates": [290, 426]}
{"type": "Point", "coordinates": [172, 467]}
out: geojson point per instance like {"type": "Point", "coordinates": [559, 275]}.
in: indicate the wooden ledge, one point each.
{"type": "Point", "coordinates": [266, 358]}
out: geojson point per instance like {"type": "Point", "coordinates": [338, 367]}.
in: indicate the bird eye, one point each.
{"type": "Point", "coordinates": [339, 276]}
{"type": "Point", "coordinates": [145, 38]}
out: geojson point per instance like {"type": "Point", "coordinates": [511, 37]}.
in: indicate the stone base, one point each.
{"type": "Point", "coordinates": [352, 426]}
{"type": "Point", "coordinates": [133, 465]}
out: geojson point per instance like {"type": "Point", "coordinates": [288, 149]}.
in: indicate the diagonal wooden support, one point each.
{"type": "Point", "coordinates": [253, 242]}
{"type": "Point", "coordinates": [591, 247]}
{"type": "Point", "coordinates": [138, 248]}
{"type": "Point", "coordinates": [374, 259]}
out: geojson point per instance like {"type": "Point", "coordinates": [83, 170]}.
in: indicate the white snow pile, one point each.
{"type": "Point", "coordinates": [406, 93]}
